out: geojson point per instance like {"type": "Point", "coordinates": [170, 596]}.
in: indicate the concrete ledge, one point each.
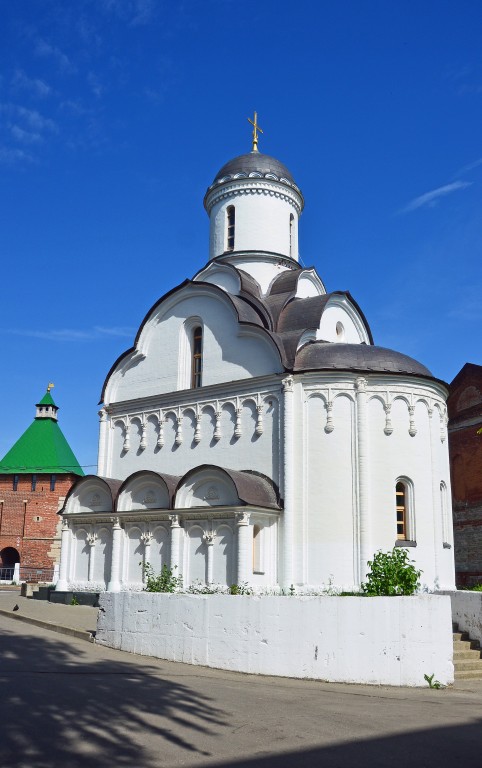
{"type": "Point", "coordinates": [378, 640]}
{"type": "Point", "coordinates": [467, 612]}
{"type": "Point", "coordinates": [80, 634]}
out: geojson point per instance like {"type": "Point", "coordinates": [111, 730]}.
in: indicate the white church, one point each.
{"type": "Point", "coordinates": [254, 433]}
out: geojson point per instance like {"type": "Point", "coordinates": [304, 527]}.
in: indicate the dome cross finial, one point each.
{"type": "Point", "coordinates": [256, 128]}
{"type": "Point", "coordinates": [50, 386]}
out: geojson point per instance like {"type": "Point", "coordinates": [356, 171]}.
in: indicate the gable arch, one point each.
{"type": "Point", "coordinates": [206, 486]}
{"type": "Point", "coordinates": [90, 494]}
{"type": "Point", "coordinates": [144, 490]}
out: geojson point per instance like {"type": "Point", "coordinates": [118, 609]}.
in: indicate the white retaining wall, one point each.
{"type": "Point", "coordinates": [467, 612]}
{"type": "Point", "coordinates": [378, 640]}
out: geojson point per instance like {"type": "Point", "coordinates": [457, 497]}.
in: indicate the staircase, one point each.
{"type": "Point", "coordinates": [467, 656]}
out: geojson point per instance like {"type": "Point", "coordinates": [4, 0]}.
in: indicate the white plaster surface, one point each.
{"type": "Point", "coordinates": [467, 612]}
{"type": "Point", "coordinates": [379, 641]}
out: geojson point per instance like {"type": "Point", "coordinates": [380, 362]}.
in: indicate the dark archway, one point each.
{"type": "Point", "coordinates": [9, 556]}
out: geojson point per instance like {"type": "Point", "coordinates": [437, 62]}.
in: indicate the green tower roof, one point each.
{"type": "Point", "coordinates": [41, 448]}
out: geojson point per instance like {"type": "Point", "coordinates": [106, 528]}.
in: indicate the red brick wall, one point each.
{"type": "Point", "coordinates": [465, 447]}
{"type": "Point", "coordinates": [33, 529]}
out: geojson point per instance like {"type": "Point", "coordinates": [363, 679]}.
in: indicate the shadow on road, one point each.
{"type": "Point", "coordinates": [60, 708]}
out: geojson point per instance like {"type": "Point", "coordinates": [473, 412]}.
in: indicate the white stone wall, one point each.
{"type": "Point", "coordinates": [378, 641]}
{"type": "Point", "coordinates": [405, 437]}
{"type": "Point", "coordinates": [162, 363]}
{"type": "Point", "coordinates": [174, 435]}
{"type": "Point", "coordinates": [262, 218]}
{"type": "Point", "coordinates": [467, 612]}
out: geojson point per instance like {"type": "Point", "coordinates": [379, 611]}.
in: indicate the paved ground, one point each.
{"type": "Point", "coordinates": [65, 701]}
{"type": "Point", "coordinates": [78, 617]}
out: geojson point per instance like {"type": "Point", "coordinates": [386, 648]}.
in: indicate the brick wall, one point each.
{"type": "Point", "coordinates": [28, 518]}
{"type": "Point", "coordinates": [465, 446]}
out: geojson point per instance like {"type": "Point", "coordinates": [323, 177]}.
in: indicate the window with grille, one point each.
{"type": "Point", "coordinates": [401, 506]}
{"type": "Point", "coordinates": [197, 357]}
{"type": "Point", "coordinates": [230, 228]}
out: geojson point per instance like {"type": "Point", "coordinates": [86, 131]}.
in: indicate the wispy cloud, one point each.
{"type": "Point", "coordinates": [45, 49]}
{"type": "Point", "coordinates": [469, 167]}
{"type": "Point", "coordinates": [35, 86]}
{"type": "Point", "coordinates": [73, 335]}
{"type": "Point", "coordinates": [430, 199]}
{"type": "Point", "coordinates": [11, 155]}
{"type": "Point", "coordinates": [31, 118]}
{"type": "Point", "coordinates": [25, 137]}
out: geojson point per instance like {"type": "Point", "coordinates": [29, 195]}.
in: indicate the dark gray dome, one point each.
{"type": "Point", "coordinates": [320, 355]}
{"type": "Point", "coordinates": [254, 162]}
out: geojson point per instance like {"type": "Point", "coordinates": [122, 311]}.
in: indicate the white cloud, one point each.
{"type": "Point", "coordinates": [9, 155]}
{"type": "Point", "coordinates": [37, 87]}
{"type": "Point", "coordinates": [25, 137]}
{"type": "Point", "coordinates": [45, 49]}
{"type": "Point", "coordinates": [430, 199]}
{"type": "Point", "coordinates": [469, 167]}
{"type": "Point", "coordinates": [72, 335]}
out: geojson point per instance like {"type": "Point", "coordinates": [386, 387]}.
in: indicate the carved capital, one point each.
{"type": "Point", "coordinates": [242, 518]}
{"type": "Point", "coordinates": [116, 523]}
{"type": "Point", "coordinates": [146, 538]}
{"type": "Point", "coordinates": [65, 525]}
{"type": "Point", "coordinates": [92, 539]}
{"type": "Point", "coordinates": [174, 521]}
{"type": "Point", "coordinates": [361, 384]}
{"type": "Point", "coordinates": [288, 384]}
{"type": "Point", "coordinates": [209, 537]}
{"type": "Point", "coordinates": [102, 415]}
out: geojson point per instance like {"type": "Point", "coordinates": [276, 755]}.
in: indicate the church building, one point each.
{"type": "Point", "coordinates": [254, 432]}
{"type": "Point", "coordinates": [35, 477]}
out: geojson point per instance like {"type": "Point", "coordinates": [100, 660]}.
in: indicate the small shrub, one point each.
{"type": "Point", "coordinates": [391, 573]}
{"type": "Point", "coordinates": [433, 683]}
{"type": "Point", "coordinates": [240, 589]}
{"type": "Point", "coordinates": [74, 601]}
{"type": "Point", "coordinates": [476, 588]}
{"type": "Point", "coordinates": [165, 581]}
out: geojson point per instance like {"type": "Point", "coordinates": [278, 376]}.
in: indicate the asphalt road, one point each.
{"type": "Point", "coordinates": [65, 702]}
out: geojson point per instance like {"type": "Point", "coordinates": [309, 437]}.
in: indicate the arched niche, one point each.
{"type": "Point", "coordinates": [206, 487]}
{"type": "Point", "coordinates": [90, 494]}
{"type": "Point", "coordinates": [144, 490]}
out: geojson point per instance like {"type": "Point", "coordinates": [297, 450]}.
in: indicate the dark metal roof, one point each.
{"type": "Point", "coordinates": [302, 313]}
{"type": "Point", "coordinates": [253, 489]}
{"type": "Point", "coordinates": [320, 355]}
{"type": "Point", "coordinates": [253, 162]}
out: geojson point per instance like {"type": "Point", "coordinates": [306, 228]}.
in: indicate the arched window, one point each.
{"type": "Point", "coordinates": [230, 228]}
{"type": "Point", "coordinates": [292, 218]}
{"type": "Point", "coordinates": [197, 357]}
{"type": "Point", "coordinates": [405, 511]}
{"type": "Point", "coordinates": [401, 499]}
{"type": "Point", "coordinates": [446, 537]}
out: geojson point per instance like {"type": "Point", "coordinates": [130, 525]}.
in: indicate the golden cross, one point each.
{"type": "Point", "coordinates": [256, 128]}
{"type": "Point", "coordinates": [50, 386]}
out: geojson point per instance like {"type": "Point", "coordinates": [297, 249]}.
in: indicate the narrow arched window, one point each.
{"type": "Point", "coordinates": [292, 218]}
{"type": "Point", "coordinates": [401, 502]}
{"type": "Point", "coordinates": [231, 223]}
{"type": "Point", "coordinates": [446, 537]}
{"type": "Point", "coordinates": [197, 357]}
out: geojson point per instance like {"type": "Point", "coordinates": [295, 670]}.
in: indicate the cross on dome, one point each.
{"type": "Point", "coordinates": [256, 128]}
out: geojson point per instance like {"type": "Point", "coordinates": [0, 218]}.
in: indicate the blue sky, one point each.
{"type": "Point", "coordinates": [116, 114]}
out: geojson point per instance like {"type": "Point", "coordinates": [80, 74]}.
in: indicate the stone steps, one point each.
{"type": "Point", "coordinates": [467, 656]}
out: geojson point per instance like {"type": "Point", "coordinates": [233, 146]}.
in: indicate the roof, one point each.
{"type": "Point", "coordinates": [321, 355]}
{"type": "Point", "coordinates": [41, 448]}
{"type": "Point", "coordinates": [47, 399]}
{"type": "Point", "coordinates": [254, 162]}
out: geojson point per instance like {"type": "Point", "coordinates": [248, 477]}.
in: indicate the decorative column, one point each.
{"type": "Point", "coordinates": [175, 543]}
{"type": "Point", "coordinates": [243, 570]}
{"type": "Point", "coordinates": [329, 426]}
{"type": "Point", "coordinates": [238, 430]}
{"type": "Point", "coordinates": [259, 420]}
{"type": "Point", "coordinates": [363, 477]}
{"type": "Point", "coordinates": [103, 437]}
{"type": "Point", "coordinates": [388, 419]}
{"type": "Point", "coordinates": [209, 537]}
{"type": "Point", "coordinates": [146, 539]}
{"type": "Point", "coordinates": [412, 430]}
{"type": "Point", "coordinates": [289, 482]}
{"type": "Point", "coordinates": [91, 541]}
{"type": "Point", "coordinates": [217, 426]}
{"type": "Point", "coordinates": [114, 584]}
{"type": "Point", "coordinates": [437, 526]}
{"type": "Point", "coordinates": [63, 584]}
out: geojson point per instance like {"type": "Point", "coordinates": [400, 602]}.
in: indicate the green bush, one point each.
{"type": "Point", "coordinates": [165, 581]}
{"type": "Point", "coordinates": [391, 573]}
{"type": "Point", "coordinates": [476, 588]}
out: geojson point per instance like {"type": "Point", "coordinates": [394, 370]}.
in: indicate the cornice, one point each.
{"type": "Point", "coordinates": [254, 187]}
